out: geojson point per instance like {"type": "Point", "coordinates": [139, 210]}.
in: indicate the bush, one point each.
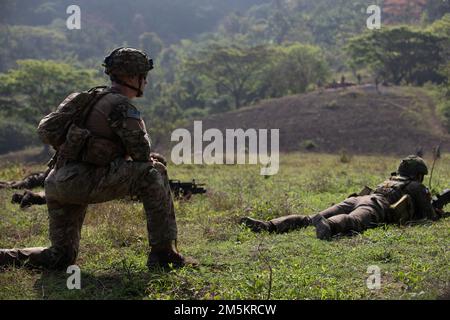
{"type": "Point", "coordinates": [345, 157]}
{"type": "Point", "coordinates": [15, 135]}
{"type": "Point", "coordinates": [196, 113]}
{"type": "Point", "coordinates": [308, 145]}
{"type": "Point", "coordinates": [332, 105]}
{"type": "Point", "coordinates": [444, 112]}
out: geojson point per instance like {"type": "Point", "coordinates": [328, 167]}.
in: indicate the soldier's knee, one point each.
{"type": "Point", "coordinates": [153, 180]}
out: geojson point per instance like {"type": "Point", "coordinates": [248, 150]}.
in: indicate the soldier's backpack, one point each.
{"type": "Point", "coordinates": [54, 127]}
{"type": "Point", "coordinates": [401, 209]}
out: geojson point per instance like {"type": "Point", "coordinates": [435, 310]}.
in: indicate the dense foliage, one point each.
{"type": "Point", "coordinates": [34, 89]}
{"type": "Point", "coordinates": [401, 55]}
{"type": "Point", "coordinates": [213, 56]}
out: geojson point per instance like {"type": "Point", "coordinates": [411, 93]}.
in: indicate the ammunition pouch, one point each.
{"type": "Point", "coordinates": [402, 211]}
{"type": "Point", "coordinates": [100, 151]}
{"type": "Point", "coordinates": [81, 145]}
{"type": "Point", "coordinates": [71, 149]}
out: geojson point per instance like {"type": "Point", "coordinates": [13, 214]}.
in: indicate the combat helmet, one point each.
{"type": "Point", "coordinates": [412, 166]}
{"type": "Point", "coordinates": [125, 61]}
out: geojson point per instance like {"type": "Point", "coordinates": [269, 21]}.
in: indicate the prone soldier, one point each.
{"type": "Point", "coordinates": [31, 181]}
{"type": "Point", "coordinates": [399, 199]}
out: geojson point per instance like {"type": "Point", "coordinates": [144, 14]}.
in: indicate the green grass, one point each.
{"type": "Point", "coordinates": [236, 263]}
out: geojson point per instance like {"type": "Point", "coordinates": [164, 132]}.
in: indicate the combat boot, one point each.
{"type": "Point", "coordinates": [256, 225]}
{"type": "Point", "coordinates": [166, 254]}
{"type": "Point", "coordinates": [323, 228]}
{"type": "Point", "coordinates": [32, 257]}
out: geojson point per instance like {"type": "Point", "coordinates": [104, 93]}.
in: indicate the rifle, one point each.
{"type": "Point", "coordinates": [180, 190]}
{"type": "Point", "coordinates": [441, 200]}
{"type": "Point", "coordinates": [186, 189]}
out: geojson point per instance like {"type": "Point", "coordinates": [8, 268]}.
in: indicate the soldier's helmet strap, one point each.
{"type": "Point", "coordinates": [123, 83]}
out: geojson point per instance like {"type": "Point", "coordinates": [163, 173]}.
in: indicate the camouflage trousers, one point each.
{"type": "Point", "coordinates": [352, 214]}
{"type": "Point", "coordinates": [356, 214]}
{"type": "Point", "coordinates": [72, 187]}
{"type": "Point", "coordinates": [289, 223]}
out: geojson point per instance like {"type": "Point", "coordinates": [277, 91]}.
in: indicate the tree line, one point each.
{"type": "Point", "coordinates": [272, 50]}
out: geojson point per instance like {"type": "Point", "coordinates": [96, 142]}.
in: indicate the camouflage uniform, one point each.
{"type": "Point", "coordinates": [31, 181]}
{"type": "Point", "coordinates": [70, 188]}
{"type": "Point", "coordinates": [358, 213]}
{"type": "Point", "coordinates": [115, 124]}
{"type": "Point", "coordinates": [354, 213]}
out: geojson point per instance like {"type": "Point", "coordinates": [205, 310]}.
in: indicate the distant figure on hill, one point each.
{"type": "Point", "coordinates": [319, 84]}
{"type": "Point", "coordinates": [377, 82]}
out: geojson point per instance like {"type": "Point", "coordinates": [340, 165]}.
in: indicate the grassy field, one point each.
{"type": "Point", "coordinates": [236, 263]}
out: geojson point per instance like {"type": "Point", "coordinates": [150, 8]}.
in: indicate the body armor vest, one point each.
{"type": "Point", "coordinates": [393, 188]}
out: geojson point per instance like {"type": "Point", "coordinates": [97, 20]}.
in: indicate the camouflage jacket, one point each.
{"type": "Point", "coordinates": [116, 120]}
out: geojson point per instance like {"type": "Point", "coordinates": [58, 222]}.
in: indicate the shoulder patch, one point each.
{"type": "Point", "coordinates": [133, 113]}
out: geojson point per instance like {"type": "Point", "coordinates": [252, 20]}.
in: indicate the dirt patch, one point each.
{"type": "Point", "coordinates": [398, 121]}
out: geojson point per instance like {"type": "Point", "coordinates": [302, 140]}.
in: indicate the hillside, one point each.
{"type": "Point", "coordinates": [359, 120]}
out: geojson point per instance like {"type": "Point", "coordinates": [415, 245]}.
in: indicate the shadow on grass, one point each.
{"type": "Point", "coordinates": [102, 286]}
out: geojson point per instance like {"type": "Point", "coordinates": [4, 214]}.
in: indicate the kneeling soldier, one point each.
{"type": "Point", "coordinates": [105, 156]}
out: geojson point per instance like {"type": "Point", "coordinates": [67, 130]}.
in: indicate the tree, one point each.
{"type": "Point", "coordinates": [36, 87]}
{"type": "Point", "coordinates": [403, 11]}
{"type": "Point", "coordinates": [235, 24]}
{"type": "Point", "coordinates": [234, 70]}
{"type": "Point", "coordinates": [151, 43]}
{"type": "Point", "coordinates": [435, 9]}
{"type": "Point", "coordinates": [296, 68]}
{"type": "Point", "coordinates": [442, 28]}
{"type": "Point", "coordinates": [16, 134]}
{"type": "Point", "coordinates": [279, 24]}
{"type": "Point", "coordinates": [400, 54]}
{"type": "Point", "coordinates": [24, 42]}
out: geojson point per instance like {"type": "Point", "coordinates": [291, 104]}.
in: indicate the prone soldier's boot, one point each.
{"type": "Point", "coordinates": [165, 254]}
{"type": "Point", "coordinates": [28, 198]}
{"type": "Point", "coordinates": [32, 257]}
{"type": "Point", "coordinates": [257, 225]}
{"type": "Point", "coordinates": [323, 228]}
